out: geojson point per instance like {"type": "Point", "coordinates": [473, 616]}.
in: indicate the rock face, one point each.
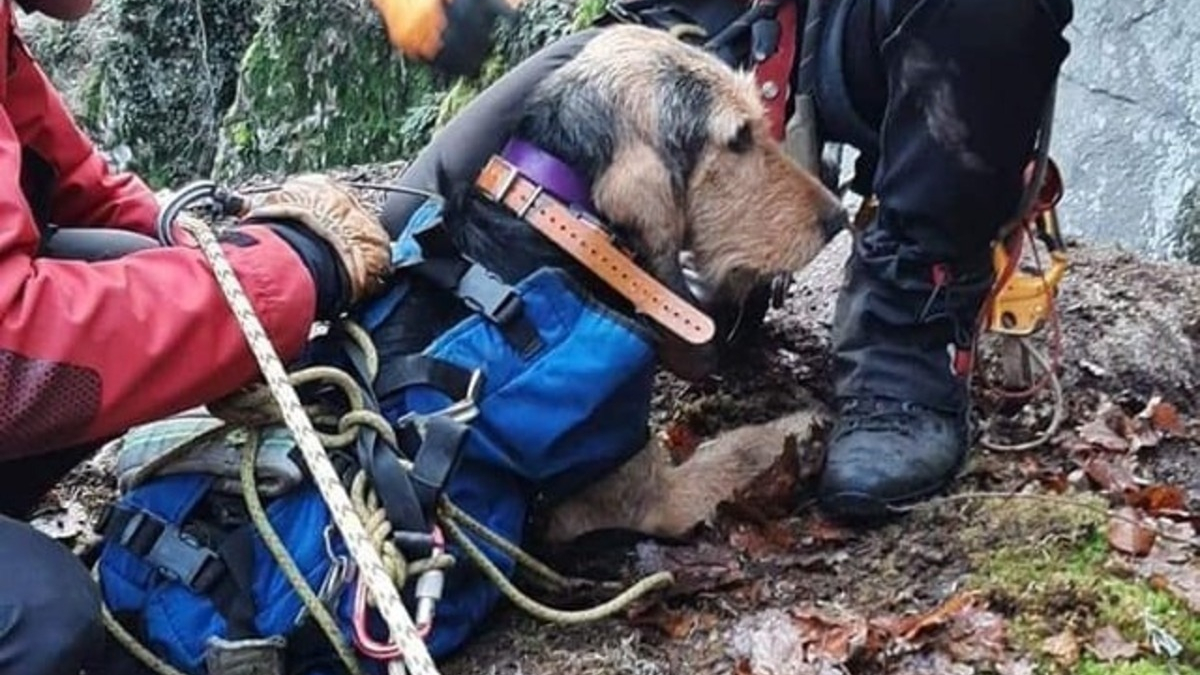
{"type": "Point", "coordinates": [1128, 130]}
{"type": "Point", "coordinates": [153, 76]}
{"type": "Point", "coordinates": [243, 87]}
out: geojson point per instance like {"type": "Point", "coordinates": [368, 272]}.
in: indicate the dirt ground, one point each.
{"type": "Point", "coordinates": [1023, 569]}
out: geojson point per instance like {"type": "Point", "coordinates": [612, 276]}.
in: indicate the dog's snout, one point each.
{"type": "Point", "coordinates": [834, 221]}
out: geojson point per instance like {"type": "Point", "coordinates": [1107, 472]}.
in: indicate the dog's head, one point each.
{"type": "Point", "coordinates": [679, 154]}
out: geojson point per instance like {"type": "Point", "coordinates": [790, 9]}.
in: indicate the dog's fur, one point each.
{"type": "Point", "coordinates": [679, 156]}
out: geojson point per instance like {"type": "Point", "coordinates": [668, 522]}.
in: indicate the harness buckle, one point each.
{"type": "Point", "coordinates": [486, 294]}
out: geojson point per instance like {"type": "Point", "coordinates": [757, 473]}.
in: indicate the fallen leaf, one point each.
{"type": "Point", "coordinates": [742, 667]}
{"type": "Point", "coordinates": [676, 624]}
{"type": "Point", "coordinates": [831, 638]}
{"type": "Point", "coordinates": [1116, 477]}
{"type": "Point", "coordinates": [938, 616]}
{"type": "Point", "coordinates": [697, 569]}
{"type": "Point", "coordinates": [772, 494]}
{"type": "Point", "coordinates": [1109, 645]}
{"type": "Point", "coordinates": [680, 441]}
{"type": "Point", "coordinates": [1163, 416]}
{"type": "Point", "coordinates": [769, 539]}
{"type": "Point", "coordinates": [976, 636]}
{"type": "Point", "coordinates": [1180, 579]}
{"type": "Point", "coordinates": [1127, 534]}
{"type": "Point", "coordinates": [1156, 499]}
{"type": "Point", "coordinates": [1098, 433]}
{"type": "Point", "coordinates": [1063, 648]}
{"type": "Point", "coordinates": [771, 643]}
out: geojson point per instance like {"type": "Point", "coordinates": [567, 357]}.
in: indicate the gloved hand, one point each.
{"type": "Point", "coordinates": [453, 36]}
{"type": "Point", "coordinates": [318, 216]}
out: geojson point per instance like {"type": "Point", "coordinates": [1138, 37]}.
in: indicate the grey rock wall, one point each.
{"type": "Point", "coordinates": [1127, 135]}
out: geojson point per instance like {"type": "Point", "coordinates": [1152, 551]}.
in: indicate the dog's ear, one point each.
{"type": "Point", "coordinates": [636, 191]}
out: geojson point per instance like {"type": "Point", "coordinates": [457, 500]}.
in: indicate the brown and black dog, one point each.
{"type": "Point", "coordinates": [676, 148]}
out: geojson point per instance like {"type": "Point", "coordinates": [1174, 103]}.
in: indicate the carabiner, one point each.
{"type": "Point", "coordinates": [429, 591]}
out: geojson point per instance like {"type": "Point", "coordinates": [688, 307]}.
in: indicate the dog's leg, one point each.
{"type": "Point", "coordinates": [651, 496]}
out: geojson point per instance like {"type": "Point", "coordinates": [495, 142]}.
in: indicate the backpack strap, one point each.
{"type": "Point", "coordinates": [482, 291]}
{"type": "Point", "coordinates": [433, 443]}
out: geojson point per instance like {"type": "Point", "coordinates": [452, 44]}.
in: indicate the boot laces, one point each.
{"type": "Point", "coordinates": [875, 413]}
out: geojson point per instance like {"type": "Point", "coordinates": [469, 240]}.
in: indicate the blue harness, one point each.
{"type": "Point", "coordinates": [562, 390]}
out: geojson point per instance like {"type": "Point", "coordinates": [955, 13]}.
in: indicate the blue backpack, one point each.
{"type": "Point", "coordinates": [561, 390]}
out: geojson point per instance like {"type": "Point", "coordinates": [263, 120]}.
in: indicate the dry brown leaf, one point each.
{"type": "Point", "coordinates": [937, 616]}
{"type": "Point", "coordinates": [824, 531]}
{"type": "Point", "coordinates": [1098, 433]}
{"type": "Point", "coordinates": [829, 638]}
{"type": "Point", "coordinates": [742, 667]}
{"type": "Point", "coordinates": [771, 538]}
{"type": "Point", "coordinates": [700, 568]}
{"type": "Point", "coordinates": [1109, 645]}
{"type": "Point", "coordinates": [1116, 477]}
{"type": "Point", "coordinates": [772, 643]}
{"type": "Point", "coordinates": [676, 624]}
{"type": "Point", "coordinates": [976, 636]}
{"type": "Point", "coordinates": [1063, 648]}
{"type": "Point", "coordinates": [772, 494]}
{"type": "Point", "coordinates": [1127, 534]}
{"type": "Point", "coordinates": [1156, 499]}
{"type": "Point", "coordinates": [1163, 417]}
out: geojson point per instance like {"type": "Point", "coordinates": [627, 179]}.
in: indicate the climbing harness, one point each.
{"type": "Point", "coordinates": [370, 561]}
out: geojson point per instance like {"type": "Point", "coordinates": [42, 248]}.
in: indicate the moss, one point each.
{"type": "Point", "coordinates": [587, 11]}
{"type": "Point", "coordinates": [155, 75]}
{"type": "Point", "coordinates": [320, 86]}
{"type": "Point", "coordinates": [1187, 227]}
{"type": "Point", "coordinates": [1064, 581]}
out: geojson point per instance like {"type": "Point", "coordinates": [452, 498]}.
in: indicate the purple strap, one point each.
{"type": "Point", "coordinates": [553, 174]}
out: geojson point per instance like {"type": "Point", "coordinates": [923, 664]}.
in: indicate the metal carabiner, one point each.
{"type": "Point", "coordinates": [428, 593]}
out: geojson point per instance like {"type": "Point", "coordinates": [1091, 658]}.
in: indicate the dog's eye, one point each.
{"type": "Point", "coordinates": [743, 140]}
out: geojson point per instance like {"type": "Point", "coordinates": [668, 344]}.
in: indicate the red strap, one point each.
{"type": "Point", "coordinates": [774, 75]}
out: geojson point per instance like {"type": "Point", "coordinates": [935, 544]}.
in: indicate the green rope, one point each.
{"type": "Point", "coordinates": [545, 613]}
{"type": "Point", "coordinates": [288, 566]}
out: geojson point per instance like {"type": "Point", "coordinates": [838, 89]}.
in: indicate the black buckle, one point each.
{"type": "Point", "coordinates": [169, 550]}
{"type": "Point", "coordinates": [486, 294]}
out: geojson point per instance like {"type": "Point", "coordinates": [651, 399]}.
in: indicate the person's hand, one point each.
{"type": "Point", "coordinates": [327, 209]}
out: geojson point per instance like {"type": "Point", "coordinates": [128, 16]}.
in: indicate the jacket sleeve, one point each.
{"type": "Point", "coordinates": [81, 190]}
{"type": "Point", "coordinates": [89, 349]}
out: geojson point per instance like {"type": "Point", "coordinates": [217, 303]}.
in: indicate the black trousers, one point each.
{"type": "Point", "coordinates": [49, 607]}
{"type": "Point", "coordinates": [944, 99]}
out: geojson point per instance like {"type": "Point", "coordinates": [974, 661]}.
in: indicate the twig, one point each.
{"type": "Point", "coordinates": [1053, 499]}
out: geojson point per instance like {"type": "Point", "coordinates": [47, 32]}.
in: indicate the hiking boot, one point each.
{"type": "Point", "coordinates": [903, 331]}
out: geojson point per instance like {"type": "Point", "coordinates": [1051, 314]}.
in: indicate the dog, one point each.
{"type": "Point", "coordinates": [676, 150]}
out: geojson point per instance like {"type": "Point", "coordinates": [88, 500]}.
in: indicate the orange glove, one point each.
{"type": "Point", "coordinates": [453, 36]}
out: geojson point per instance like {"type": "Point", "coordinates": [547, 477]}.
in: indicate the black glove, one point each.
{"type": "Point", "coordinates": [453, 36]}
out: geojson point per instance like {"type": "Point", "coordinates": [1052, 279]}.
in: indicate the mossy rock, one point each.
{"type": "Point", "coordinates": [321, 87]}
{"type": "Point", "coordinates": [155, 76]}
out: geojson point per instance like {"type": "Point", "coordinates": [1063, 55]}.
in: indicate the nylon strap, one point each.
{"type": "Point", "coordinates": [593, 248]}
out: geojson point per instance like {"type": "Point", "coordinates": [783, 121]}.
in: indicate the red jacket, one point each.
{"type": "Point", "coordinates": [87, 350]}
